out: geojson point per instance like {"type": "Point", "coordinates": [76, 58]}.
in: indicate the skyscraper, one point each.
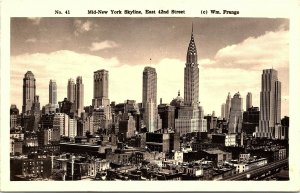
{"type": "Point", "coordinates": [101, 99]}
{"type": "Point", "coordinates": [79, 90]}
{"type": "Point", "coordinates": [149, 98]}
{"type": "Point", "coordinates": [191, 75]}
{"type": "Point", "coordinates": [223, 111]}
{"type": "Point", "coordinates": [236, 114]}
{"type": "Point", "coordinates": [29, 90]}
{"type": "Point", "coordinates": [100, 88]}
{"type": "Point", "coordinates": [190, 116]}
{"type": "Point", "coordinates": [14, 113]}
{"type": "Point", "coordinates": [71, 90]}
{"type": "Point", "coordinates": [149, 85]}
{"type": "Point", "coordinates": [52, 92]}
{"type": "Point", "coordinates": [270, 103]}
{"type": "Point", "coordinates": [227, 106]}
{"type": "Point", "coordinates": [248, 101]}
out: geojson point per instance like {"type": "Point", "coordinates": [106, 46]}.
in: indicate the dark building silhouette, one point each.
{"type": "Point", "coordinates": [177, 103]}
{"type": "Point", "coordinates": [167, 115]}
{"type": "Point", "coordinates": [250, 120]}
{"type": "Point", "coordinates": [127, 126]}
{"type": "Point", "coordinates": [211, 123]}
{"type": "Point", "coordinates": [29, 90]}
{"type": "Point", "coordinates": [25, 169]}
{"type": "Point", "coordinates": [66, 107]}
{"type": "Point", "coordinates": [163, 142]}
{"type": "Point", "coordinates": [47, 121]}
{"type": "Point", "coordinates": [14, 117]}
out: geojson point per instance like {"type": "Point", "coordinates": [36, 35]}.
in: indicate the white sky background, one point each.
{"type": "Point", "coordinates": [231, 54]}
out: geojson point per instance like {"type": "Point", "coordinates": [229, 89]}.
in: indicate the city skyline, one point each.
{"type": "Point", "coordinates": [130, 135]}
{"type": "Point", "coordinates": [211, 77]}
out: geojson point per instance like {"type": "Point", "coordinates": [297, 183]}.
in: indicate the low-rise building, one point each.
{"type": "Point", "coordinates": [163, 142]}
{"type": "Point", "coordinates": [224, 139]}
{"type": "Point", "coordinates": [31, 167]}
{"type": "Point", "coordinates": [97, 165]}
{"type": "Point", "coordinates": [245, 166]}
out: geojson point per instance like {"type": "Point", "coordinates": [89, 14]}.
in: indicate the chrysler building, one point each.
{"type": "Point", "coordinates": [191, 116]}
{"type": "Point", "coordinates": [191, 75]}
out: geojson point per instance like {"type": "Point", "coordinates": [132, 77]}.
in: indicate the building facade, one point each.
{"type": "Point", "coordinates": [227, 106]}
{"type": "Point", "coordinates": [149, 85]}
{"type": "Point", "coordinates": [270, 104]}
{"type": "Point", "coordinates": [29, 92]}
{"type": "Point", "coordinates": [248, 100]}
{"type": "Point", "coordinates": [151, 118]}
{"type": "Point", "coordinates": [101, 100]}
{"type": "Point", "coordinates": [191, 116]}
{"type": "Point", "coordinates": [127, 126]}
{"type": "Point", "coordinates": [250, 120]}
{"type": "Point", "coordinates": [61, 122]}
{"type": "Point", "coordinates": [71, 90]}
{"type": "Point", "coordinates": [52, 92]}
{"type": "Point", "coordinates": [79, 95]}
{"type": "Point", "coordinates": [191, 75]}
{"type": "Point", "coordinates": [236, 114]}
{"type": "Point", "coordinates": [223, 110]}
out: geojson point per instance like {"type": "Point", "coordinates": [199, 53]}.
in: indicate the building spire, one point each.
{"type": "Point", "coordinates": [192, 50]}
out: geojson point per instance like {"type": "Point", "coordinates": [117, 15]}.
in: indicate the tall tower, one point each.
{"type": "Point", "coordinates": [236, 114]}
{"type": "Point", "coordinates": [227, 106]}
{"type": "Point", "coordinates": [223, 111]}
{"type": "Point", "coordinates": [79, 90]}
{"type": "Point", "coordinates": [248, 101]}
{"type": "Point", "coordinates": [100, 88]}
{"type": "Point", "coordinates": [101, 92]}
{"type": "Point", "coordinates": [52, 92]}
{"type": "Point", "coordinates": [149, 98]}
{"type": "Point", "coordinates": [191, 75]}
{"type": "Point", "coordinates": [71, 90]}
{"type": "Point", "coordinates": [149, 85]}
{"type": "Point", "coordinates": [190, 115]}
{"type": "Point", "coordinates": [270, 103]}
{"type": "Point", "coordinates": [28, 92]}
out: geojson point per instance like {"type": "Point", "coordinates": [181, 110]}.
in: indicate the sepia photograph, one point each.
{"type": "Point", "coordinates": [144, 97]}
{"type": "Point", "coordinates": [149, 99]}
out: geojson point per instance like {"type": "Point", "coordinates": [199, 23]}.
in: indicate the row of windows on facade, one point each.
{"type": "Point", "coordinates": [32, 162]}
{"type": "Point", "coordinates": [34, 171]}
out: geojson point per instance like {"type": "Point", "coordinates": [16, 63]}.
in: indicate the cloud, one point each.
{"type": "Point", "coordinates": [81, 27]}
{"type": "Point", "coordinates": [35, 20]}
{"type": "Point", "coordinates": [31, 40]}
{"type": "Point", "coordinates": [125, 81]}
{"type": "Point", "coordinates": [235, 68]}
{"type": "Point", "coordinates": [103, 45]}
{"type": "Point", "coordinates": [60, 65]}
{"type": "Point", "coordinates": [266, 51]}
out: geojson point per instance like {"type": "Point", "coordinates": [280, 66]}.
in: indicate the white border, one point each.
{"type": "Point", "coordinates": [247, 8]}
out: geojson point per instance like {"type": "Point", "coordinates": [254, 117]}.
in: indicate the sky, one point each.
{"type": "Point", "coordinates": [232, 52]}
